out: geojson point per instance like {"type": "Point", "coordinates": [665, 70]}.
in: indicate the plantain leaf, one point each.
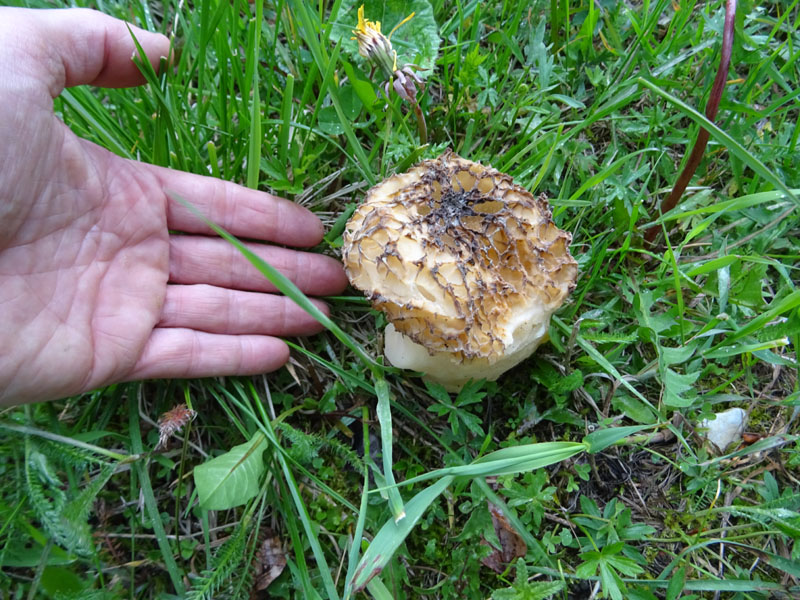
{"type": "Point", "coordinates": [233, 478]}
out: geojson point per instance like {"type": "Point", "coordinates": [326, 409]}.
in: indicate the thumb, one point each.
{"type": "Point", "coordinates": [70, 47]}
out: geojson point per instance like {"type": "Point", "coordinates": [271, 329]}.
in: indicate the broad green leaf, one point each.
{"type": "Point", "coordinates": [655, 322]}
{"type": "Point", "coordinates": [393, 533]}
{"type": "Point", "coordinates": [611, 582]}
{"type": "Point", "coordinates": [363, 88]}
{"type": "Point", "coordinates": [438, 392]}
{"type": "Point", "coordinates": [351, 102]}
{"type": "Point", "coordinates": [472, 392]}
{"type": "Point", "coordinates": [233, 478]}
{"type": "Point", "coordinates": [676, 356]}
{"type": "Point", "coordinates": [634, 409]}
{"type": "Point", "coordinates": [328, 118]}
{"type": "Point", "coordinates": [676, 385]}
{"type": "Point", "coordinates": [416, 41]}
{"type": "Point", "coordinates": [589, 567]}
{"type": "Point", "coordinates": [23, 552]}
{"type": "Point", "coordinates": [623, 564]}
{"type": "Point", "coordinates": [328, 121]}
{"type": "Point", "coordinates": [61, 582]}
{"type": "Point", "coordinates": [748, 288]}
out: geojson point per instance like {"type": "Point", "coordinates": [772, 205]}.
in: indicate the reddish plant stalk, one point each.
{"type": "Point", "coordinates": [714, 98]}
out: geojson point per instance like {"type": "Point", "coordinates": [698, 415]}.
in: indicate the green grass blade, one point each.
{"type": "Point", "coordinates": [723, 138]}
{"type": "Point", "coordinates": [286, 117]}
{"type": "Point", "coordinates": [601, 439]}
{"type": "Point", "coordinates": [327, 65]}
{"type": "Point", "coordinates": [784, 305]}
{"type": "Point", "coordinates": [516, 459]}
{"type": "Point", "coordinates": [26, 430]}
{"type": "Point", "coordinates": [358, 534]}
{"type": "Point", "coordinates": [605, 364]}
{"type": "Point", "coordinates": [605, 173]}
{"type": "Point", "coordinates": [309, 526]}
{"type": "Point", "coordinates": [387, 441]}
{"type": "Point", "coordinates": [394, 533]}
{"type": "Point", "coordinates": [251, 76]}
{"type": "Point", "coordinates": [150, 503]}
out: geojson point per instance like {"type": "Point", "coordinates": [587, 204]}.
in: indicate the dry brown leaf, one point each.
{"type": "Point", "coordinates": [512, 546]}
{"type": "Point", "coordinates": [268, 564]}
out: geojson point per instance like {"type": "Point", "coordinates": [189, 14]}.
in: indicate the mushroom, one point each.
{"type": "Point", "coordinates": [467, 266]}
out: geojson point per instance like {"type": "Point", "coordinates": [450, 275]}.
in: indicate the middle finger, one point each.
{"type": "Point", "coordinates": [199, 259]}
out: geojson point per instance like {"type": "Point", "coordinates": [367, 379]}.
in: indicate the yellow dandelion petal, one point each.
{"type": "Point", "coordinates": [362, 26]}
{"type": "Point", "coordinates": [403, 22]}
{"type": "Point", "coordinates": [373, 45]}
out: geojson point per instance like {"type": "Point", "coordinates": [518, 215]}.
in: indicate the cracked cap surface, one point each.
{"type": "Point", "coordinates": [463, 262]}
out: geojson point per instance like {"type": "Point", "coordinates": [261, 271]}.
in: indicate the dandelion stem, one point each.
{"type": "Point", "coordinates": [422, 126]}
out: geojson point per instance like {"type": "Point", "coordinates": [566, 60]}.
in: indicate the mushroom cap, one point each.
{"type": "Point", "coordinates": [467, 266]}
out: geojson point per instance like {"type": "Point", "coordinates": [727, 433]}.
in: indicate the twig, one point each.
{"type": "Point", "coordinates": [714, 98]}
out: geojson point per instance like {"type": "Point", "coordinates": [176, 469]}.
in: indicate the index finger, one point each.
{"type": "Point", "coordinates": [67, 47]}
{"type": "Point", "coordinates": [239, 210]}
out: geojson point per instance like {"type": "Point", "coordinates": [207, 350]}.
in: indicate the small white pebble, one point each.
{"type": "Point", "coordinates": [726, 429]}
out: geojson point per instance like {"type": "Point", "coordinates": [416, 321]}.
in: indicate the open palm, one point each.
{"type": "Point", "coordinates": [94, 288]}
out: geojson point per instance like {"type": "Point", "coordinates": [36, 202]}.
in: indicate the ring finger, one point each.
{"type": "Point", "coordinates": [218, 310]}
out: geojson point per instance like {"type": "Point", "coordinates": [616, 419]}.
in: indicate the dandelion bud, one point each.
{"type": "Point", "coordinates": [374, 46]}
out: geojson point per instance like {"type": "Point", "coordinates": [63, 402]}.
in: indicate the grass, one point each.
{"type": "Point", "coordinates": [591, 449]}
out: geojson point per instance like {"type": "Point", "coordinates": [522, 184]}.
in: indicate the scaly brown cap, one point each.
{"type": "Point", "coordinates": [464, 263]}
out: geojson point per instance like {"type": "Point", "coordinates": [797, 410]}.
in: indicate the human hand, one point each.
{"type": "Point", "coordinates": [93, 287]}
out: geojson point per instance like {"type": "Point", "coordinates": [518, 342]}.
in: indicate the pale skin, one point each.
{"type": "Point", "coordinates": [93, 287]}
